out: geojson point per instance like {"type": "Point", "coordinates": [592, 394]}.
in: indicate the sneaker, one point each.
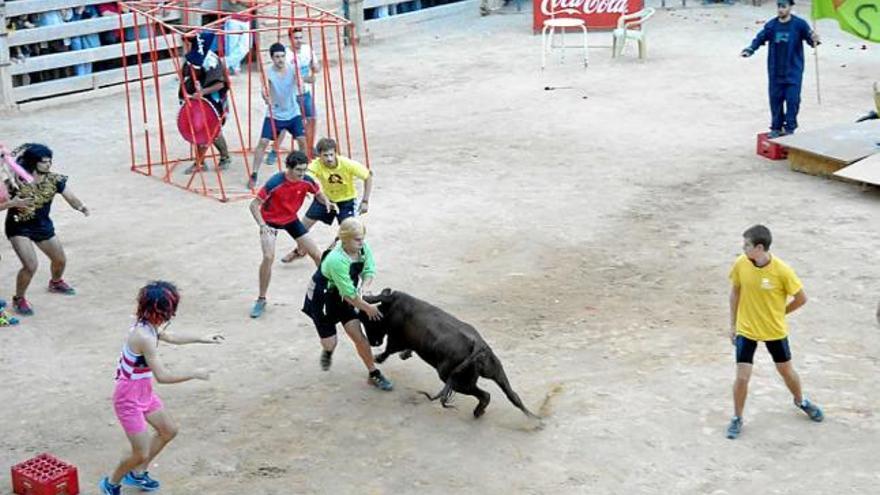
{"type": "Point", "coordinates": [196, 168]}
{"type": "Point", "coordinates": [224, 162]}
{"type": "Point", "coordinates": [252, 181]}
{"type": "Point", "coordinates": [61, 287]}
{"type": "Point", "coordinates": [259, 307]}
{"type": "Point", "coordinates": [108, 488]}
{"type": "Point", "coordinates": [735, 427]}
{"type": "Point", "coordinates": [22, 306]}
{"type": "Point", "coordinates": [7, 320]}
{"type": "Point", "coordinates": [774, 134]}
{"type": "Point", "coordinates": [378, 380]}
{"type": "Point", "coordinates": [326, 360]}
{"type": "Point", "coordinates": [812, 410]}
{"type": "Point", "coordinates": [2, 303]}
{"type": "Point", "coordinates": [142, 481]}
{"type": "Point", "coordinates": [272, 157]}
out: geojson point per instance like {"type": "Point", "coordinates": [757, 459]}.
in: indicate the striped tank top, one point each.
{"type": "Point", "coordinates": [133, 366]}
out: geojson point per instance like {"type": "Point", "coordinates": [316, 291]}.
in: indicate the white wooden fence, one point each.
{"type": "Point", "coordinates": [10, 96]}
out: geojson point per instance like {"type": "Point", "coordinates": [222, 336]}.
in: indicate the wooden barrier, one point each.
{"type": "Point", "coordinates": [11, 96]}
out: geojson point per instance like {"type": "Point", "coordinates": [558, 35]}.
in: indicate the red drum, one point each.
{"type": "Point", "coordinates": [198, 122]}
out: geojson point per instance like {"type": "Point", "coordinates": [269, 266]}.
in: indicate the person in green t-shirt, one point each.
{"type": "Point", "coordinates": [334, 296]}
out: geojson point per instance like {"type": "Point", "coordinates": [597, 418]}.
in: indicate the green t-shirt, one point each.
{"type": "Point", "coordinates": [337, 265]}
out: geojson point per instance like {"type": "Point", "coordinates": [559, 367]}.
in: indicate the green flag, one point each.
{"type": "Point", "coordinates": [858, 17]}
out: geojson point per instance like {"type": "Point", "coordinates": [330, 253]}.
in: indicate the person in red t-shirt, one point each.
{"type": "Point", "coordinates": [276, 207]}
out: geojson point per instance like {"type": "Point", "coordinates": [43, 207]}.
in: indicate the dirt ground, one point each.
{"type": "Point", "coordinates": [587, 232]}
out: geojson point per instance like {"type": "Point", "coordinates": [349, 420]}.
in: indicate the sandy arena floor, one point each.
{"type": "Point", "coordinates": [586, 232]}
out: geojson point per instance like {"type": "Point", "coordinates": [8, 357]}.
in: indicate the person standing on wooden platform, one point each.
{"type": "Point", "coordinates": [785, 35]}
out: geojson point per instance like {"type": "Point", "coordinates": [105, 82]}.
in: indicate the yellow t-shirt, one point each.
{"type": "Point", "coordinates": [763, 295]}
{"type": "Point", "coordinates": [338, 182]}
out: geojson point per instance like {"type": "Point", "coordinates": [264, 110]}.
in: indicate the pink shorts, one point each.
{"type": "Point", "coordinates": [133, 400]}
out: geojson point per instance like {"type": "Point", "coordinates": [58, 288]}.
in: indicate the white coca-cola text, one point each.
{"type": "Point", "coordinates": [586, 6]}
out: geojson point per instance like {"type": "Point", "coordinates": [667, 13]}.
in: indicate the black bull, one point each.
{"type": "Point", "coordinates": [454, 348]}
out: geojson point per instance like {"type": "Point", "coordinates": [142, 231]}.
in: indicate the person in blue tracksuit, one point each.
{"type": "Point", "coordinates": [785, 36]}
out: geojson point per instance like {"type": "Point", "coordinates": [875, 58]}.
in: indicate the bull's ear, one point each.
{"type": "Point", "coordinates": [387, 292]}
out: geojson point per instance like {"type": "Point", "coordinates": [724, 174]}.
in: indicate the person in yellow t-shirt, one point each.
{"type": "Point", "coordinates": [759, 300]}
{"type": "Point", "coordinates": [337, 175]}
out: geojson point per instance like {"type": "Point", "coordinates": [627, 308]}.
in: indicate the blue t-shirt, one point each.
{"type": "Point", "coordinates": [785, 40]}
{"type": "Point", "coordinates": [282, 87]}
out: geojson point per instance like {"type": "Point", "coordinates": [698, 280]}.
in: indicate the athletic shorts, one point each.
{"type": "Point", "coordinates": [296, 229]}
{"type": "Point", "coordinates": [294, 126]}
{"type": "Point", "coordinates": [306, 105]}
{"type": "Point", "coordinates": [35, 230]}
{"type": "Point", "coordinates": [319, 212]}
{"type": "Point", "coordinates": [745, 350]}
{"type": "Point", "coordinates": [326, 309]}
{"type": "Point", "coordinates": [133, 401]}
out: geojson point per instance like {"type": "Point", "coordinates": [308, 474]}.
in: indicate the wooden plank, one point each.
{"type": "Point", "coordinates": [78, 28]}
{"type": "Point", "coordinates": [844, 143]}
{"type": "Point", "coordinates": [813, 164]}
{"type": "Point", "coordinates": [22, 7]}
{"type": "Point", "coordinates": [867, 171]}
{"type": "Point", "coordinates": [67, 59]}
{"type": "Point", "coordinates": [79, 83]}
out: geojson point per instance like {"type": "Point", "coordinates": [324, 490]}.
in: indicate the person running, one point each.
{"type": "Point", "coordinates": [337, 175]}
{"type": "Point", "coordinates": [204, 76]}
{"type": "Point", "coordinates": [761, 287]}
{"type": "Point", "coordinates": [304, 57]}
{"type": "Point", "coordinates": [134, 401]}
{"type": "Point", "coordinates": [276, 207]}
{"type": "Point", "coordinates": [282, 110]}
{"type": "Point", "coordinates": [785, 36]}
{"type": "Point", "coordinates": [30, 225]}
{"type": "Point", "coordinates": [334, 296]}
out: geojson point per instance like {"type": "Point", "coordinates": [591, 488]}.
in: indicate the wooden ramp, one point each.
{"type": "Point", "coordinates": [825, 151]}
{"type": "Point", "coordinates": [866, 171]}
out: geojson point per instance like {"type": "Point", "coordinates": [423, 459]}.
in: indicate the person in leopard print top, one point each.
{"type": "Point", "coordinates": [30, 225]}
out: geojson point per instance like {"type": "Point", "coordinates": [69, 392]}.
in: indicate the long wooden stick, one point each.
{"type": "Point", "coordinates": [816, 57]}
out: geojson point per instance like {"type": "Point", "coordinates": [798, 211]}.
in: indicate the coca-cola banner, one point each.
{"type": "Point", "coordinates": [599, 14]}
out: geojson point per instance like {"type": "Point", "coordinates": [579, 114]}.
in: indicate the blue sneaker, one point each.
{"type": "Point", "coordinates": [272, 157]}
{"type": "Point", "coordinates": [142, 481]}
{"type": "Point", "coordinates": [735, 427]}
{"type": "Point", "coordinates": [108, 488]}
{"type": "Point", "coordinates": [259, 307]}
{"type": "Point", "coordinates": [378, 380]}
{"type": "Point", "coordinates": [812, 410]}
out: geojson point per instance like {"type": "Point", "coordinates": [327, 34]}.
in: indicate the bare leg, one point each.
{"type": "Point", "coordinates": [792, 380]}
{"type": "Point", "coordinates": [267, 243]}
{"type": "Point", "coordinates": [353, 329]}
{"type": "Point", "coordinates": [55, 251]}
{"type": "Point", "coordinates": [741, 387]}
{"type": "Point", "coordinates": [140, 451]}
{"type": "Point", "coordinates": [296, 252]}
{"type": "Point", "coordinates": [329, 344]}
{"type": "Point", "coordinates": [258, 155]}
{"type": "Point", "coordinates": [308, 246]}
{"type": "Point", "coordinates": [24, 248]}
{"type": "Point", "coordinates": [166, 430]}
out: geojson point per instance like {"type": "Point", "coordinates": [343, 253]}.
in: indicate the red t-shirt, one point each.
{"type": "Point", "coordinates": [282, 198]}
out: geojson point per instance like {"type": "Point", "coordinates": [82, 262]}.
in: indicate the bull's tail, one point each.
{"type": "Point", "coordinates": [500, 378]}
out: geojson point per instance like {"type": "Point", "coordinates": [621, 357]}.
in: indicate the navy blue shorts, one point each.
{"type": "Point", "coordinates": [293, 126]}
{"type": "Point", "coordinates": [306, 105]}
{"type": "Point", "coordinates": [296, 229]}
{"type": "Point", "coordinates": [35, 230]}
{"type": "Point", "coordinates": [319, 212]}
{"type": "Point", "coordinates": [745, 350]}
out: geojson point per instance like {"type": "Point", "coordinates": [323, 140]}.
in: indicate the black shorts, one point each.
{"type": "Point", "coordinates": [37, 231]}
{"type": "Point", "coordinates": [296, 229]}
{"type": "Point", "coordinates": [745, 350]}
{"type": "Point", "coordinates": [325, 307]}
{"type": "Point", "coordinates": [319, 212]}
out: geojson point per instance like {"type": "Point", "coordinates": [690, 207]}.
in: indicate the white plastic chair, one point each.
{"type": "Point", "coordinates": [562, 23]}
{"type": "Point", "coordinates": [630, 27]}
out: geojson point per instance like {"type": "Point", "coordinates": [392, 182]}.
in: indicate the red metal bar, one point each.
{"type": "Point", "coordinates": [329, 87]}
{"type": "Point", "coordinates": [128, 99]}
{"type": "Point", "coordinates": [344, 99]}
{"type": "Point", "coordinates": [357, 79]}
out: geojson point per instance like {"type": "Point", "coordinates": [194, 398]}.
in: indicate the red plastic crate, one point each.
{"type": "Point", "coordinates": [770, 150]}
{"type": "Point", "coordinates": [44, 475]}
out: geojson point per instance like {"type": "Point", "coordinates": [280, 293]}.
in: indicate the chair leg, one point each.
{"type": "Point", "coordinates": [643, 49]}
{"type": "Point", "coordinates": [586, 48]}
{"type": "Point", "coordinates": [543, 47]}
{"type": "Point", "coordinates": [614, 47]}
{"type": "Point", "coordinates": [562, 30]}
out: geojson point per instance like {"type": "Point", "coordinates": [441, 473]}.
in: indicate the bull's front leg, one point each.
{"type": "Point", "coordinates": [393, 346]}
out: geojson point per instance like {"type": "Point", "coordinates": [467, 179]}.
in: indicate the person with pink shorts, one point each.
{"type": "Point", "coordinates": [134, 401]}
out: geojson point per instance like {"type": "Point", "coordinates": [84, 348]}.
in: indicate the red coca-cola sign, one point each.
{"type": "Point", "coordinates": [599, 14]}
